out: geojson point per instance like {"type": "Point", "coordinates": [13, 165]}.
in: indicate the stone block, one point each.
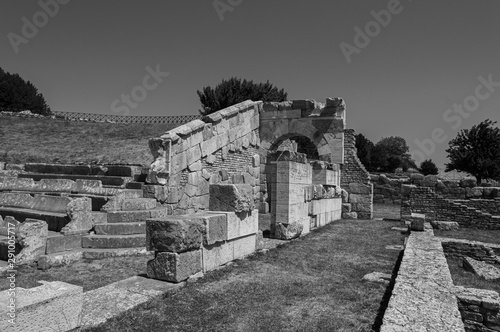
{"type": "Point", "coordinates": [58, 242]}
{"type": "Point", "coordinates": [360, 199]}
{"type": "Point", "coordinates": [241, 223]}
{"type": "Point", "coordinates": [215, 227]}
{"type": "Point", "coordinates": [244, 246]}
{"type": "Point", "coordinates": [54, 306]}
{"type": "Point", "coordinates": [231, 197]}
{"type": "Point", "coordinates": [417, 222]}
{"type": "Point", "coordinates": [174, 267]}
{"type": "Point", "coordinates": [217, 254]}
{"type": "Point", "coordinates": [31, 235]}
{"type": "Point", "coordinates": [174, 233]}
{"type": "Point", "coordinates": [294, 172]}
{"type": "Point", "coordinates": [475, 192]}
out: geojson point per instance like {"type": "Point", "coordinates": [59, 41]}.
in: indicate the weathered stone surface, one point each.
{"type": "Point", "coordinates": [287, 231]}
{"type": "Point", "coordinates": [445, 225]}
{"type": "Point", "coordinates": [231, 197]}
{"type": "Point", "coordinates": [109, 301]}
{"type": "Point", "coordinates": [174, 233]}
{"type": "Point", "coordinates": [346, 207]}
{"type": "Point", "coordinates": [175, 267]}
{"type": "Point", "coordinates": [45, 262]}
{"type": "Point", "coordinates": [214, 227]}
{"type": "Point", "coordinates": [345, 196]}
{"type": "Point", "coordinates": [423, 297]}
{"type": "Point", "coordinates": [31, 235]}
{"type": "Point", "coordinates": [57, 242]}
{"type": "Point", "coordinates": [482, 269]}
{"type": "Point", "coordinates": [54, 306]}
{"type": "Point", "coordinates": [114, 241]}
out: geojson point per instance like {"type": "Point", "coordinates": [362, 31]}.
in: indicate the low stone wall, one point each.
{"type": "Point", "coordinates": [491, 206]}
{"type": "Point", "coordinates": [486, 252]}
{"type": "Point", "coordinates": [425, 200]}
{"type": "Point", "coordinates": [387, 189]}
{"type": "Point", "coordinates": [423, 298]}
{"type": "Point", "coordinates": [480, 309]}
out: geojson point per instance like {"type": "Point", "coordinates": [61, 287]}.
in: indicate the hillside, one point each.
{"type": "Point", "coordinates": [61, 141]}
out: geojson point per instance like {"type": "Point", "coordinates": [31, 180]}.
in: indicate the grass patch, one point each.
{"type": "Point", "coordinates": [388, 211]}
{"type": "Point", "coordinates": [461, 277]}
{"type": "Point", "coordinates": [481, 235]}
{"type": "Point", "coordinates": [310, 284]}
{"type": "Point", "coordinates": [88, 274]}
{"type": "Point", "coordinates": [61, 141]}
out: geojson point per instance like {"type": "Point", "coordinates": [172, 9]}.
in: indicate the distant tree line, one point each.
{"type": "Point", "coordinates": [16, 94]}
{"type": "Point", "coordinates": [389, 154]}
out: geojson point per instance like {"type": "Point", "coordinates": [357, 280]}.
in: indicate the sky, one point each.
{"type": "Point", "coordinates": [422, 70]}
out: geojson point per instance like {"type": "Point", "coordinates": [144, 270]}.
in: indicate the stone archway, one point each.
{"type": "Point", "coordinates": [297, 143]}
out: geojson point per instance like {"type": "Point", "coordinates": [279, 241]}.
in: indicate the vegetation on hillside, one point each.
{"type": "Point", "coordinates": [62, 141]}
{"type": "Point", "coordinates": [16, 94]}
{"type": "Point", "coordinates": [234, 91]}
{"type": "Point", "coordinates": [476, 151]}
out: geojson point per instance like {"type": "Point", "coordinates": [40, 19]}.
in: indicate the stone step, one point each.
{"type": "Point", "coordinates": [106, 180]}
{"type": "Point", "coordinates": [89, 253]}
{"type": "Point", "coordinates": [134, 185]}
{"type": "Point", "coordinates": [55, 220]}
{"type": "Point", "coordinates": [68, 169]}
{"type": "Point", "coordinates": [125, 228]}
{"type": "Point", "coordinates": [57, 242]}
{"type": "Point", "coordinates": [114, 241]}
{"type": "Point", "coordinates": [132, 204]}
{"type": "Point", "coordinates": [137, 215]}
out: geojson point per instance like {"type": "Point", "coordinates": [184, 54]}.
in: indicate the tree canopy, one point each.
{"type": "Point", "coordinates": [428, 167]}
{"type": "Point", "coordinates": [476, 151]}
{"type": "Point", "coordinates": [16, 94]}
{"type": "Point", "coordinates": [234, 91]}
{"type": "Point", "coordinates": [387, 155]}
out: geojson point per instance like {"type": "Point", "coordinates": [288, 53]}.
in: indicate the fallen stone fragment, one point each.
{"type": "Point", "coordinates": [31, 235]}
{"type": "Point", "coordinates": [231, 197]}
{"type": "Point", "coordinates": [445, 225]}
{"type": "Point", "coordinates": [287, 231]}
{"type": "Point", "coordinates": [384, 278]}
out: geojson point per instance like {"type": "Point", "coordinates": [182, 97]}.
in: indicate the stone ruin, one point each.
{"type": "Point", "coordinates": [216, 186]}
{"type": "Point", "coordinates": [248, 169]}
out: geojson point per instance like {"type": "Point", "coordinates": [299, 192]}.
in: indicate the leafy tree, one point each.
{"type": "Point", "coordinates": [390, 153]}
{"type": "Point", "coordinates": [476, 151]}
{"type": "Point", "coordinates": [17, 94]}
{"type": "Point", "coordinates": [427, 167]}
{"type": "Point", "coordinates": [364, 147]}
{"type": "Point", "coordinates": [234, 91]}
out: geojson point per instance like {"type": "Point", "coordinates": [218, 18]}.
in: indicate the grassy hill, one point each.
{"type": "Point", "coordinates": [60, 141]}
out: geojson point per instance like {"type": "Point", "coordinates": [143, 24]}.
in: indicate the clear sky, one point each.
{"type": "Point", "coordinates": [419, 72]}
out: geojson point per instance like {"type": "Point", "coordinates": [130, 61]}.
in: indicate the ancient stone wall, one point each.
{"type": "Point", "coordinates": [356, 180]}
{"type": "Point", "coordinates": [223, 148]}
{"type": "Point", "coordinates": [458, 248]}
{"type": "Point", "coordinates": [479, 308]}
{"type": "Point", "coordinates": [387, 189]}
{"type": "Point", "coordinates": [491, 206]}
{"type": "Point", "coordinates": [423, 294]}
{"type": "Point", "coordinates": [425, 200]}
